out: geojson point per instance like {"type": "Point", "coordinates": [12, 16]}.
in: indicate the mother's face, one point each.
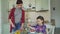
{"type": "Point", "coordinates": [19, 5]}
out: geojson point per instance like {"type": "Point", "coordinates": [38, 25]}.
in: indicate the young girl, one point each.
{"type": "Point", "coordinates": [40, 27]}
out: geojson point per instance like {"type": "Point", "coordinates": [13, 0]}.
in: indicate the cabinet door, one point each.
{"type": "Point", "coordinates": [29, 3]}
{"type": "Point", "coordinates": [26, 3]}
{"type": "Point", "coordinates": [38, 5]}
{"type": "Point", "coordinates": [44, 4]}
{"type": "Point", "coordinates": [32, 3]}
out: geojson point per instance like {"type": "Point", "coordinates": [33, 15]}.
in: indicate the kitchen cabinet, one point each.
{"type": "Point", "coordinates": [38, 5]}
{"type": "Point", "coordinates": [42, 5]}
{"type": "Point", "coordinates": [29, 4]}
{"type": "Point", "coordinates": [33, 3]}
{"type": "Point", "coordinates": [25, 3]}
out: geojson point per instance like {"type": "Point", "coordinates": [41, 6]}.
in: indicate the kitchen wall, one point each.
{"type": "Point", "coordinates": [56, 13]}
{"type": "Point", "coordinates": [4, 16]}
{"type": "Point", "coordinates": [46, 15]}
{"type": "Point", "coordinates": [33, 15]}
{"type": "Point", "coordinates": [11, 3]}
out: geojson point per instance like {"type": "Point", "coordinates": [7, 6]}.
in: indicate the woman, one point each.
{"type": "Point", "coordinates": [17, 17]}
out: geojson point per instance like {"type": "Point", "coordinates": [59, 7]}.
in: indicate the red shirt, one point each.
{"type": "Point", "coordinates": [11, 16]}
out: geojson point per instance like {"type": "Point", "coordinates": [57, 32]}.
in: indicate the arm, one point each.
{"type": "Point", "coordinates": [31, 27]}
{"type": "Point", "coordinates": [23, 18]}
{"type": "Point", "coordinates": [44, 33]}
{"type": "Point", "coordinates": [11, 23]}
{"type": "Point", "coordinates": [22, 25]}
{"type": "Point", "coordinates": [28, 25]}
{"type": "Point", "coordinates": [44, 28]}
{"type": "Point", "coordinates": [9, 18]}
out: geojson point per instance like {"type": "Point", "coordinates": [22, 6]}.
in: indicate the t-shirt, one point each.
{"type": "Point", "coordinates": [18, 15]}
{"type": "Point", "coordinates": [39, 28]}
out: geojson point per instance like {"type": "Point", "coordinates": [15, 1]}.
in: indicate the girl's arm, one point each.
{"type": "Point", "coordinates": [28, 25]}
{"type": "Point", "coordinates": [32, 27]}
{"type": "Point", "coordinates": [45, 32]}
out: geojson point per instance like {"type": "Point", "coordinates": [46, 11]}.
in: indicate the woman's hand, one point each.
{"type": "Point", "coordinates": [13, 26]}
{"type": "Point", "coordinates": [22, 27]}
{"type": "Point", "coordinates": [11, 23]}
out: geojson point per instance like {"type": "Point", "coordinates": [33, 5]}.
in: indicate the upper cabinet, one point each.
{"type": "Point", "coordinates": [42, 5]}
{"type": "Point", "coordinates": [37, 5]}
{"type": "Point", "coordinates": [29, 4]}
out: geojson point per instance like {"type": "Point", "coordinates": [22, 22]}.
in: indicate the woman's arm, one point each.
{"type": "Point", "coordinates": [9, 18]}
{"type": "Point", "coordinates": [11, 23]}
{"type": "Point", "coordinates": [22, 19]}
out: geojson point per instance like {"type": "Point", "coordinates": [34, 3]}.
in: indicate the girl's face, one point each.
{"type": "Point", "coordinates": [39, 21]}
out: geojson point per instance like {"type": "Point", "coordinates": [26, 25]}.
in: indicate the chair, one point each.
{"type": "Point", "coordinates": [50, 29]}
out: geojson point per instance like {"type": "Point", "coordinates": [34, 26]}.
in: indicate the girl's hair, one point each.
{"type": "Point", "coordinates": [19, 2]}
{"type": "Point", "coordinates": [40, 17]}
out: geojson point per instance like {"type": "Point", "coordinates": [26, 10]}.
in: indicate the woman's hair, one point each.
{"type": "Point", "coordinates": [19, 2]}
{"type": "Point", "coordinates": [40, 17]}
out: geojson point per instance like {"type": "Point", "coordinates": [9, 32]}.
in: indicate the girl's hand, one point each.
{"type": "Point", "coordinates": [32, 28]}
{"type": "Point", "coordinates": [28, 25]}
